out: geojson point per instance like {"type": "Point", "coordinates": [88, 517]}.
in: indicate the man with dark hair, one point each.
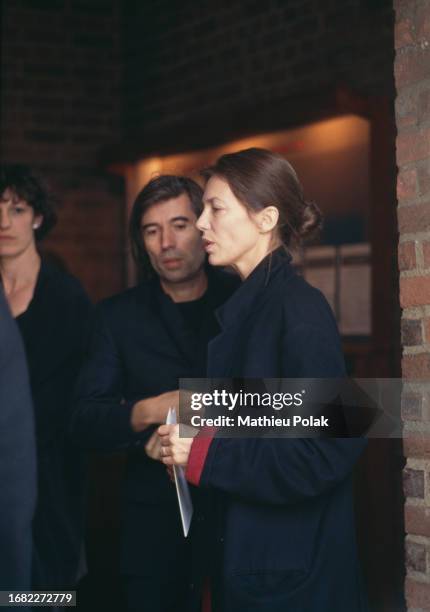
{"type": "Point", "coordinates": [145, 340]}
{"type": "Point", "coordinates": [17, 458]}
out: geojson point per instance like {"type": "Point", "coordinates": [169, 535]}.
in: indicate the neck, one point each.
{"type": "Point", "coordinates": [20, 271]}
{"type": "Point", "coordinates": [188, 290]}
{"type": "Point", "coordinates": [250, 260]}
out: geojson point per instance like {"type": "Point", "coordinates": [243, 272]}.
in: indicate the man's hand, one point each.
{"type": "Point", "coordinates": [153, 447]}
{"type": "Point", "coordinates": [153, 410]}
{"type": "Point", "coordinates": [175, 450]}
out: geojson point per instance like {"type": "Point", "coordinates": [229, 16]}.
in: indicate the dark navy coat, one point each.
{"type": "Point", "coordinates": [55, 330]}
{"type": "Point", "coordinates": [280, 534]}
{"type": "Point", "coordinates": [17, 458]}
{"type": "Point", "coordinates": [141, 346]}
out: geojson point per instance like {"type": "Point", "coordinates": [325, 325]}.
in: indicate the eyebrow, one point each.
{"type": "Point", "coordinates": [13, 203]}
{"type": "Point", "coordinates": [173, 220]}
{"type": "Point", "coordinates": [15, 199]}
{"type": "Point", "coordinates": [212, 200]}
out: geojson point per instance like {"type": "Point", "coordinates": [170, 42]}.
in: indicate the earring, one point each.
{"type": "Point", "coordinates": [35, 225]}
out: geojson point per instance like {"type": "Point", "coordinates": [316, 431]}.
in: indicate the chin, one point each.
{"type": "Point", "coordinates": [213, 259]}
{"type": "Point", "coordinates": [217, 260]}
{"type": "Point", "coordinates": [8, 252]}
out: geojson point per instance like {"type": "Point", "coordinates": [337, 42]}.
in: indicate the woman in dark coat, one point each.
{"type": "Point", "coordinates": [53, 315]}
{"type": "Point", "coordinates": [280, 532]}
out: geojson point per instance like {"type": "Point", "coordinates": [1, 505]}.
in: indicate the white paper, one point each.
{"type": "Point", "coordinates": [182, 488]}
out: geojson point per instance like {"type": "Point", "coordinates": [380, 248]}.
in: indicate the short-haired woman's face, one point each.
{"type": "Point", "coordinates": [17, 220]}
{"type": "Point", "coordinates": [230, 234]}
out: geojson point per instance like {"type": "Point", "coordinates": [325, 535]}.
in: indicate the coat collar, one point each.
{"type": "Point", "coordinates": [252, 290]}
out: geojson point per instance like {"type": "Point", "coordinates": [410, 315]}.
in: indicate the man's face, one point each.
{"type": "Point", "coordinates": [172, 241]}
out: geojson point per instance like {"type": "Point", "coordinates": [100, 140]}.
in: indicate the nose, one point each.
{"type": "Point", "coordinates": [5, 221]}
{"type": "Point", "coordinates": [167, 239]}
{"type": "Point", "coordinates": [202, 222]}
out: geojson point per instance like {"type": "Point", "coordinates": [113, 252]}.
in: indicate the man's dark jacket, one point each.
{"type": "Point", "coordinates": [141, 346]}
{"type": "Point", "coordinates": [280, 530]}
{"type": "Point", "coordinates": [17, 458]}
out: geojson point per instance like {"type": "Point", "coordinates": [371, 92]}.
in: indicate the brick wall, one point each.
{"type": "Point", "coordinates": [412, 73]}
{"type": "Point", "coordinates": [60, 104]}
{"type": "Point", "coordinates": [195, 62]}
{"type": "Point", "coordinates": [79, 75]}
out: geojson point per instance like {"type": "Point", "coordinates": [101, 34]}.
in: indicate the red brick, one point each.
{"type": "Point", "coordinates": [406, 108]}
{"type": "Point", "coordinates": [407, 256]}
{"type": "Point", "coordinates": [415, 218]}
{"type": "Point", "coordinates": [413, 145]}
{"type": "Point", "coordinates": [424, 179]}
{"type": "Point", "coordinates": [422, 22]}
{"type": "Point", "coordinates": [406, 120]}
{"type": "Point", "coordinates": [417, 445]}
{"type": "Point", "coordinates": [404, 33]}
{"type": "Point", "coordinates": [412, 65]}
{"type": "Point", "coordinates": [407, 184]}
{"type": "Point", "coordinates": [417, 594]}
{"type": "Point", "coordinates": [416, 366]}
{"type": "Point", "coordinates": [424, 106]}
{"type": "Point", "coordinates": [403, 8]}
{"type": "Point", "coordinates": [416, 557]}
{"type": "Point", "coordinates": [415, 291]}
{"type": "Point", "coordinates": [417, 520]}
{"type": "Point", "coordinates": [413, 483]}
{"type": "Point", "coordinates": [426, 254]}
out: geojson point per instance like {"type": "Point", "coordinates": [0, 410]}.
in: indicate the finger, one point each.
{"type": "Point", "coordinates": [167, 460]}
{"type": "Point", "coordinates": [164, 430]}
{"type": "Point", "coordinates": [165, 436]}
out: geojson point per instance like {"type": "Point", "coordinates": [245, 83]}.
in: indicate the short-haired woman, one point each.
{"type": "Point", "coordinates": [281, 524]}
{"type": "Point", "coordinates": [53, 314]}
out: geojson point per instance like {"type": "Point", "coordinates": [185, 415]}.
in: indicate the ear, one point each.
{"type": "Point", "coordinates": [37, 221]}
{"type": "Point", "coordinates": [267, 219]}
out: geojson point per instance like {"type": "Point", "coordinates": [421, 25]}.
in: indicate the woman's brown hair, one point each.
{"type": "Point", "coordinates": [260, 178]}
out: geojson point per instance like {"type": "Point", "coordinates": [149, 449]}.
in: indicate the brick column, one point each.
{"type": "Point", "coordinates": [412, 73]}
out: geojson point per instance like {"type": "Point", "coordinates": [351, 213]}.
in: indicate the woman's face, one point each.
{"type": "Point", "coordinates": [230, 232]}
{"type": "Point", "coordinates": [17, 220]}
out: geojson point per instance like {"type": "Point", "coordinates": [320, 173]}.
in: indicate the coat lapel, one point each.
{"type": "Point", "coordinates": [43, 325]}
{"type": "Point", "coordinates": [235, 316]}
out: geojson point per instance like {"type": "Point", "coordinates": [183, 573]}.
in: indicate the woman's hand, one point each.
{"type": "Point", "coordinates": [175, 450]}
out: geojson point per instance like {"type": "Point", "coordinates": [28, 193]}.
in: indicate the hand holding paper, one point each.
{"type": "Point", "coordinates": [177, 450]}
